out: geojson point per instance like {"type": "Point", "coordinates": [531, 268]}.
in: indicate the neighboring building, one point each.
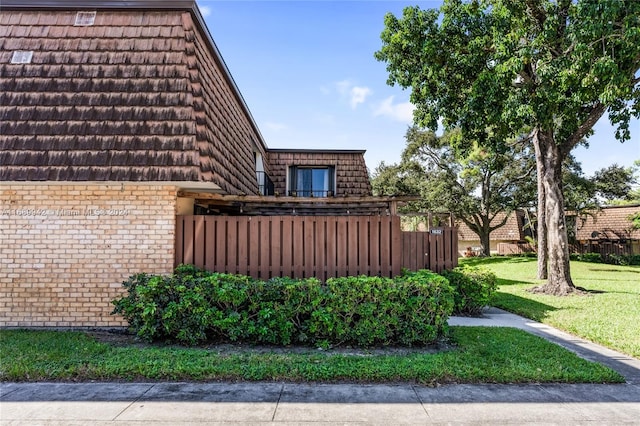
{"type": "Point", "coordinates": [116, 116]}
{"type": "Point", "coordinates": [508, 239]}
{"type": "Point", "coordinates": [608, 230]}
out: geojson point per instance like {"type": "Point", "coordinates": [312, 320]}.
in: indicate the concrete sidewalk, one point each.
{"type": "Point", "coordinates": [288, 403]}
{"type": "Point", "coordinates": [277, 403]}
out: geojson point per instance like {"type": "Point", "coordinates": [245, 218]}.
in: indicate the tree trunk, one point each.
{"type": "Point", "coordinates": [559, 279]}
{"type": "Point", "coordinates": [542, 247]}
{"type": "Point", "coordinates": [485, 243]}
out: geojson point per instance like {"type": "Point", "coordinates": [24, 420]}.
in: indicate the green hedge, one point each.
{"type": "Point", "coordinates": [612, 259]}
{"type": "Point", "coordinates": [192, 306]}
{"type": "Point", "coordinates": [473, 286]}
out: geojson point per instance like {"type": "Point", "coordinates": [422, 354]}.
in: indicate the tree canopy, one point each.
{"type": "Point", "coordinates": [498, 68]}
{"type": "Point", "coordinates": [481, 186]}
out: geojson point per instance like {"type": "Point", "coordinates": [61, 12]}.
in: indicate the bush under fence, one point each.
{"type": "Point", "coordinates": [193, 306]}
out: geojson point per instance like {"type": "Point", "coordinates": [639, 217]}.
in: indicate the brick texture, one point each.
{"type": "Point", "coordinates": [66, 248]}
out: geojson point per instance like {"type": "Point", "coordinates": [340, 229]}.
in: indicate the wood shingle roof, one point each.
{"type": "Point", "coordinates": [140, 95]}
{"type": "Point", "coordinates": [513, 229]}
{"type": "Point", "coordinates": [609, 223]}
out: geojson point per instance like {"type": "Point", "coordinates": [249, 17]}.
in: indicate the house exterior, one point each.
{"type": "Point", "coordinates": [508, 239]}
{"type": "Point", "coordinates": [115, 118]}
{"type": "Point", "coordinates": [608, 230]}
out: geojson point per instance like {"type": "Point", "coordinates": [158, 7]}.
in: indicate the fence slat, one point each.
{"type": "Point", "coordinates": [331, 259]}
{"type": "Point", "coordinates": [189, 240]}
{"type": "Point", "coordinates": [363, 247]}
{"type": "Point", "coordinates": [287, 243]}
{"type": "Point", "coordinates": [276, 247]}
{"type": "Point", "coordinates": [396, 246]}
{"type": "Point", "coordinates": [232, 244]}
{"type": "Point", "coordinates": [352, 246]}
{"type": "Point", "coordinates": [298, 247]}
{"type": "Point", "coordinates": [309, 234]}
{"type": "Point", "coordinates": [342, 243]}
{"type": "Point", "coordinates": [180, 240]}
{"type": "Point", "coordinates": [374, 245]}
{"type": "Point", "coordinates": [221, 245]}
{"type": "Point", "coordinates": [199, 249]}
{"type": "Point", "coordinates": [265, 241]}
{"type": "Point", "coordinates": [385, 247]}
{"type": "Point", "coordinates": [320, 248]}
{"type": "Point", "coordinates": [254, 243]}
{"type": "Point", "coordinates": [209, 243]}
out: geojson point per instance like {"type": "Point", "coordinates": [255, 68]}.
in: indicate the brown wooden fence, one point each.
{"type": "Point", "coordinates": [607, 248]}
{"type": "Point", "coordinates": [436, 249]}
{"type": "Point", "coordinates": [306, 246]}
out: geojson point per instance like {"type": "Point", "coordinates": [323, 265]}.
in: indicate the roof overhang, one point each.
{"type": "Point", "coordinates": [317, 151]}
{"type": "Point", "coordinates": [246, 204]}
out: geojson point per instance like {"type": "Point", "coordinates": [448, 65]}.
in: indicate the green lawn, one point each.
{"type": "Point", "coordinates": [472, 354]}
{"type": "Point", "coordinates": [609, 314]}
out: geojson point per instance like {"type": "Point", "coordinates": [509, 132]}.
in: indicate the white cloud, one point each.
{"type": "Point", "coordinates": [205, 10]}
{"type": "Point", "coordinates": [355, 95]}
{"type": "Point", "coordinates": [402, 112]}
{"type": "Point", "coordinates": [276, 127]}
{"type": "Point", "coordinates": [358, 95]}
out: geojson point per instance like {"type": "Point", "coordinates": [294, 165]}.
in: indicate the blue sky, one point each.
{"type": "Point", "coordinates": [306, 69]}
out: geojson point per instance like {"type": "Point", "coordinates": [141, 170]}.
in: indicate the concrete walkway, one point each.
{"type": "Point", "coordinates": [316, 404]}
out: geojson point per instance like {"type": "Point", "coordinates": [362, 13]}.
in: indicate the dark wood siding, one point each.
{"type": "Point", "coordinates": [352, 178]}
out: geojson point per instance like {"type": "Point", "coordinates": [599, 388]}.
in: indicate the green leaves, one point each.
{"type": "Point", "coordinates": [194, 306]}
{"type": "Point", "coordinates": [504, 65]}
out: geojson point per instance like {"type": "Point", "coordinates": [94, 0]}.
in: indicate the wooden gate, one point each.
{"type": "Point", "coordinates": [436, 249]}
{"type": "Point", "coordinates": [310, 246]}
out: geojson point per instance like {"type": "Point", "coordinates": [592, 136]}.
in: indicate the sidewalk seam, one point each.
{"type": "Point", "coordinates": [133, 402]}
{"type": "Point", "coordinates": [275, 410]}
{"type": "Point", "coordinates": [413, 387]}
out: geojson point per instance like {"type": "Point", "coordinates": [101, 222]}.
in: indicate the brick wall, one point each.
{"type": "Point", "coordinates": [66, 248]}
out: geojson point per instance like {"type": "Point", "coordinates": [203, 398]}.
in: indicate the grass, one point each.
{"type": "Point", "coordinates": [608, 315]}
{"type": "Point", "coordinates": [474, 354]}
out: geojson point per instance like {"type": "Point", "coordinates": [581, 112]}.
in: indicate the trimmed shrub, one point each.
{"type": "Point", "coordinates": [365, 311]}
{"type": "Point", "coordinates": [473, 286]}
{"type": "Point", "coordinates": [612, 258]}
{"type": "Point", "coordinates": [192, 306]}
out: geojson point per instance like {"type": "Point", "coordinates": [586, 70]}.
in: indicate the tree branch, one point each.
{"type": "Point", "coordinates": [587, 124]}
{"type": "Point", "coordinates": [502, 222]}
{"type": "Point", "coordinates": [534, 9]}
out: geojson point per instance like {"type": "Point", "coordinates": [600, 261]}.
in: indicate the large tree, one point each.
{"type": "Point", "coordinates": [480, 186]}
{"type": "Point", "coordinates": [584, 193]}
{"type": "Point", "coordinates": [496, 67]}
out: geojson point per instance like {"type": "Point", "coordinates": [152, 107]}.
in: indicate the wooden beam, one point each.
{"type": "Point", "coordinates": [222, 199]}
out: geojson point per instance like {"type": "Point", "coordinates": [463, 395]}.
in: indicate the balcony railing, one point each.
{"type": "Point", "coordinates": [265, 184]}
{"type": "Point", "coordinates": [310, 193]}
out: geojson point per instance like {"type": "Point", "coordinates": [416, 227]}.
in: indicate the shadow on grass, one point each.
{"type": "Point", "coordinates": [528, 308]}
{"type": "Point", "coordinates": [616, 270]}
{"type": "Point", "coordinates": [475, 261]}
{"type": "Point", "coordinates": [504, 281]}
